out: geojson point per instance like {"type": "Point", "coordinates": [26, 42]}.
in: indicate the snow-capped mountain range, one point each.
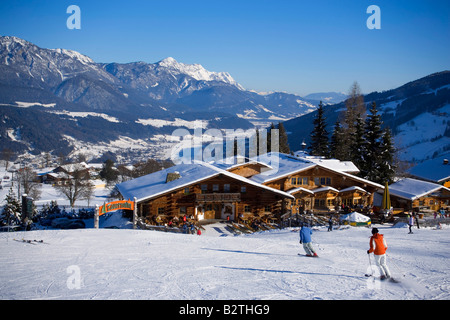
{"type": "Point", "coordinates": [77, 79]}
{"type": "Point", "coordinates": [197, 72]}
{"type": "Point", "coordinates": [61, 101]}
{"type": "Point", "coordinates": [67, 90]}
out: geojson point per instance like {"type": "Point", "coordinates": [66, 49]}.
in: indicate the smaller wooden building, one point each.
{"type": "Point", "coordinates": [411, 194]}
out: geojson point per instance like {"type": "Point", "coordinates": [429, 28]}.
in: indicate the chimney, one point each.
{"type": "Point", "coordinates": [303, 145]}
{"type": "Point", "coordinates": [171, 176]}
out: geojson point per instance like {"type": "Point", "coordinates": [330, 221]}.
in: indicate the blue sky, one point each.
{"type": "Point", "coordinates": [294, 46]}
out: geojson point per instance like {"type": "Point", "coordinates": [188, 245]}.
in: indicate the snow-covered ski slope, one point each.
{"type": "Point", "coordinates": [138, 264]}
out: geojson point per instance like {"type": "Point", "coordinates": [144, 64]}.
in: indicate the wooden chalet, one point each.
{"type": "Point", "coordinates": [55, 178]}
{"type": "Point", "coordinates": [411, 194]}
{"type": "Point", "coordinates": [201, 191]}
{"type": "Point", "coordinates": [81, 169]}
{"type": "Point", "coordinates": [316, 186]}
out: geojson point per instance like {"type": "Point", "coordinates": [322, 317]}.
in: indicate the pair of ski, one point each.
{"type": "Point", "coordinates": [307, 255]}
{"type": "Point", "coordinates": [34, 242]}
{"type": "Point", "coordinates": [384, 279]}
{"type": "Point", "coordinates": [367, 275]}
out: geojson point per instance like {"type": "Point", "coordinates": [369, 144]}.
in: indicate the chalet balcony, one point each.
{"type": "Point", "coordinates": [218, 197]}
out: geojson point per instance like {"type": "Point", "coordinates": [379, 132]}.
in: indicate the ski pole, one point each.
{"type": "Point", "coordinates": [370, 264]}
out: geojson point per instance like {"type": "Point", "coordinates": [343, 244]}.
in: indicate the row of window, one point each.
{"type": "Point", "coordinates": [326, 181]}
{"type": "Point", "coordinates": [182, 211]}
{"type": "Point", "coordinates": [318, 181]}
{"type": "Point", "coordinates": [329, 202]}
{"type": "Point", "coordinates": [430, 202]}
{"type": "Point", "coordinates": [216, 188]}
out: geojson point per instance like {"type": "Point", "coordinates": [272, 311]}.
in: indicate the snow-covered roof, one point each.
{"type": "Point", "coordinates": [437, 170]}
{"type": "Point", "coordinates": [44, 171]}
{"type": "Point", "coordinates": [354, 188]}
{"type": "Point", "coordinates": [326, 188]}
{"type": "Point", "coordinates": [284, 165]}
{"type": "Point", "coordinates": [154, 184]}
{"type": "Point", "coordinates": [412, 189]}
{"type": "Point", "coordinates": [322, 189]}
{"type": "Point", "coordinates": [54, 175]}
{"type": "Point", "coordinates": [292, 191]}
{"type": "Point", "coordinates": [237, 161]}
{"type": "Point", "coordinates": [335, 164]}
{"type": "Point", "coordinates": [97, 166]}
{"type": "Point", "coordinates": [74, 166]}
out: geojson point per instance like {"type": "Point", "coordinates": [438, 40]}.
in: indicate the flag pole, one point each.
{"type": "Point", "coordinates": [135, 214]}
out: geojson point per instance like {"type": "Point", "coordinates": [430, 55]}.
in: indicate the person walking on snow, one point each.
{"type": "Point", "coordinates": [305, 239]}
{"type": "Point", "coordinates": [416, 216]}
{"type": "Point", "coordinates": [410, 222]}
{"type": "Point", "coordinates": [330, 224]}
{"type": "Point", "coordinates": [378, 246]}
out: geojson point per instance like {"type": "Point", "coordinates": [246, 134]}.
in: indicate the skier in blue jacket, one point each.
{"type": "Point", "coordinates": [305, 239]}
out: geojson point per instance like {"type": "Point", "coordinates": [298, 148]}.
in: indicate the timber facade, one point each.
{"type": "Point", "coordinates": [417, 195]}
{"type": "Point", "coordinates": [220, 197]}
{"type": "Point", "coordinates": [322, 190]}
{"type": "Point", "coordinates": [245, 191]}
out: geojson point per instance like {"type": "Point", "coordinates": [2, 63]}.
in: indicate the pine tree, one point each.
{"type": "Point", "coordinates": [358, 148]}
{"type": "Point", "coordinates": [319, 135]}
{"type": "Point", "coordinates": [12, 210]}
{"type": "Point", "coordinates": [371, 169]}
{"type": "Point", "coordinates": [283, 139]}
{"type": "Point", "coordinates": [387, 167]}
{"type": "Point", "coordinates": [109, 172]}
{"type": "Point", "coordinates": [337, 142]}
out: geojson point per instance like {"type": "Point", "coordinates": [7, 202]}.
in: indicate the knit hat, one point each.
{"type": "Point", "coordinates": [374, 230]}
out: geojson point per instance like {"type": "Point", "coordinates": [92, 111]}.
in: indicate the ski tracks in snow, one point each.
{"type": "Point", "coordinates": [133, 264]}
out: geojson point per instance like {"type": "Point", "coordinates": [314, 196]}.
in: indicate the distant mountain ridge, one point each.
{"type": "Point", "coordinates": [418, 113]}
{"type": "Point", "coordinates": [327, 97]}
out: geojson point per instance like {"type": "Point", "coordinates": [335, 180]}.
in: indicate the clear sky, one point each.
{"type": "Point", "coordinates": [294, 46]}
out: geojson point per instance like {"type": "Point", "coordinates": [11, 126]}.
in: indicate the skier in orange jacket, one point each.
{"type": "Point", "coordinates": [378, 246]}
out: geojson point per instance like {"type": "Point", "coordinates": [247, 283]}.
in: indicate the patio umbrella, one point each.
{"type": "Point", "coordinates": [386, 203]}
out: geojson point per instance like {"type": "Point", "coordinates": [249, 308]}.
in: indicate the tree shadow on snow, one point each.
{"type": "Point", "coordinates": [289, 271]}
{"type": "Point", "coordinates": [248, 252]}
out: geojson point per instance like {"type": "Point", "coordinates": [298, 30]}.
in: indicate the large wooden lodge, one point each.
{"type": "Point", "coordinates": [318, 187]}
{"type": "Point", "coordinates": [244, 190]}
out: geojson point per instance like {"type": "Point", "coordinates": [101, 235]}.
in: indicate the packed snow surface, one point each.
{"type": "Point", "coordinates": [136, 264]}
